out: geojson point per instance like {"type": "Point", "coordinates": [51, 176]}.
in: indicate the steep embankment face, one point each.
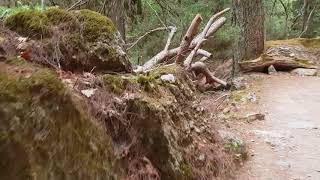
{"type": "Point", "coordinates": [57, 124]}
{"type": "Point", "coordinates": [45, 133]}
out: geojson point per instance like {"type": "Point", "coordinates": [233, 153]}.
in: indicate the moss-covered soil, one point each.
{"type": "Point", "coordinates": [308, 43]}
{"type": "Point", "coordinates": [45, 133]}
{"type": "Point", "coordinates": [49, 129]}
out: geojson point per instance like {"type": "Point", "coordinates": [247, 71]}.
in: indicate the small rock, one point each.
{"type": "Point", "coordinates": [202, 157]}
{"type": "Point", "coordinates": [226, 110]}
{"type": "Point", "coordinates": [304, 72]}
{"type": "Point", "coordinates": [168, 78]}
{"type": "Point", "coordinates": [271, 70]}
{"type": "Point", "coordinates": [197, 130]}
{"type": "Point", "coordinates": [254, 116]}
{"type": "Point", "coordinates": [88, 92]}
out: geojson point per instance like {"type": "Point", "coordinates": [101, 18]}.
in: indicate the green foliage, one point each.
{"type": "Point", "coordinates": [28, 22]}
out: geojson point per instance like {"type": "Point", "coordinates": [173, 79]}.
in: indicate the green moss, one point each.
{"type": "Point", "coordinates": [16, 61]}
{"type": "Point", "coordinates": [303, 62]}
{"type": "Point", "coordinates": [57, 16]}
{"type": "Point", "coordinates": [161, 70]}
{"type": "Point", "coordinates": [46, 134]}
{"type": "Point", "coordinates": [311, 43]}
{"type": "Point", "coordinates": [31, 23]}
{"type": "Point", "coordinates": [45, 78]}
{"type": "Point", "coordinates": [308, 43]}
{"type": "Point", "coordinates": [118, 84]}
{"type": "Point", "coordinates": [115, 83]}
{"type": "Point", "coordinates": [34, 23]}
{"type": "Point", "coordinates": [186, 170]}
{"type": "Point", "coordinates": [95, 25]}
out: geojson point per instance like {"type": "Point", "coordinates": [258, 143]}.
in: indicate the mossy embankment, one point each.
{"type": "Point", "coordinates": [127, 126]}
{"type": "Point", "coordinates": [133, 126]}
{"type": "Point", "coordinates": [45, 132]}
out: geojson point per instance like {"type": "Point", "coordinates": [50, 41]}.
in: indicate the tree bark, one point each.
{"type": "Point", "coordinates": [117, 15]}
{"type": "Point", "coordinates": [250, 18]}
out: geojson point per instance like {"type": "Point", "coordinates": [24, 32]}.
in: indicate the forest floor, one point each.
{"type": "Point", "coordinates": [286, 144]}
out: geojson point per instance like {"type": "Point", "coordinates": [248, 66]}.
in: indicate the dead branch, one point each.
{"type": "Point", "coordinates": [201, 68]}
{"type": "Point", "coordinates": [191, 43]}
{"type": "Point", "coordinates": [171, 34]}
{"type": "Point", "coordinates": [202, 37]}
{"type": "Point", "coordinates": [204, 33]}
{"type": "Point", "coordinates": [307, 23]}
{"type": "Point", "coordinates": [77, 4]}
{"type": "Point", "coordinates": [188, 61]}
{"type": "Point", "coordinates": [131, 45]}
{"type": "Point", "coordinates": [204, 53]}
{"type": "Point", "coordinates": [156, 13]}
{"type": "Point", "coordinates": [163, 55]}
{"type": "Point", "coordinates": [213, 28]}
{"type": "Point", "coordinates": [192, 31]}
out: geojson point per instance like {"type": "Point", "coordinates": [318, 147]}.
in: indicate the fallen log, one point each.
{"type": "Point", "coordinates": [261, 65]}
{"type": "Point", "coordinates": [282, 57]}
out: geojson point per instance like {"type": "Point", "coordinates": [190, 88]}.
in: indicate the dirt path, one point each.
{"type": "Point", "coordinates": [286, 146]}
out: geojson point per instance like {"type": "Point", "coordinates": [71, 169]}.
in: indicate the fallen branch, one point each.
{"type": "Point", "coordinates": [213, 28]}
{"type": "Point", "coordinates": [307, 23]}
{"type": "Point", "coordinates": [205, 31]}
{"type": "Point", "coordinates": [163, 55]}
{"type": "Point", "coordinates": [171, 34]}
{"type": "Point", "coordinates": [201, 68]}
{"type": "Point", "coordinates": [192, 31]}
{"type": "Point", "coordinates": [204, 53]}
{"type": "Point", "coordinates": [188, 61]}
{"type": "Point", "coordinates": [77, 4]}
{"type": "Point", "coordinates": [131, 45]}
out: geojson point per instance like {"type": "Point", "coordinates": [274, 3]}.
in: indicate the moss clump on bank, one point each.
{"type": "Point", "coordinates": [57, 16]}
{"type": "Point", "coordinates": [95, 25]}
{"type": "Point", "coordinates": [31, 23]}
{"type": "Point", "coordinates": [114, 83]}
{"type": "Point", "coordinates": [45, 135]}
{"type": "Point", "coordinates": [34, 23]}
{"type": "Point", "coordinates": [85, 39]}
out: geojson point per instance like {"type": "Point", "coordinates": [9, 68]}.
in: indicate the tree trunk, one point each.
{"type": "Point", "coordinates": [250, 18]}
{"type": "Point", "coordinates": [118, 16]}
